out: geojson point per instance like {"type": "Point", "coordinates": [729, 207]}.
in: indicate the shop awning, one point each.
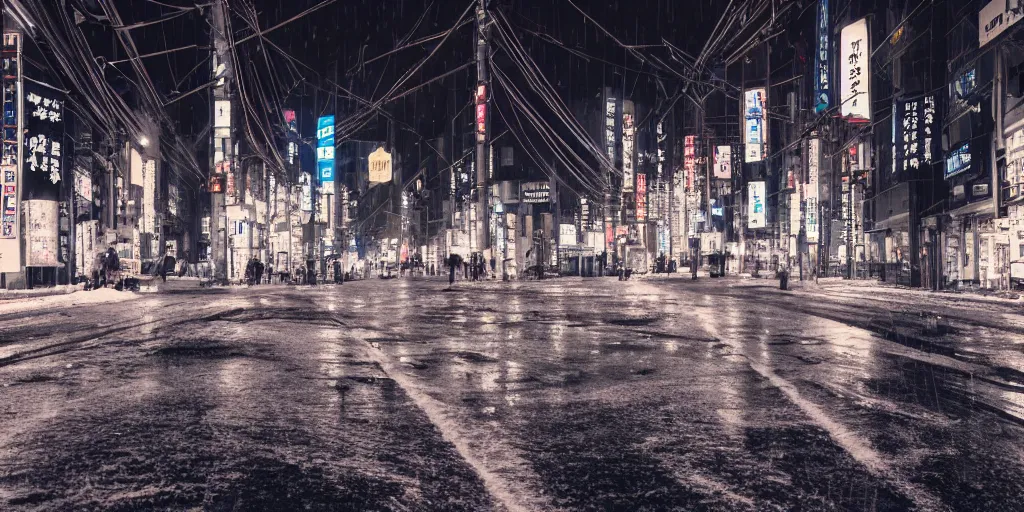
{"type": "Point", "coordinates": [984, 206]}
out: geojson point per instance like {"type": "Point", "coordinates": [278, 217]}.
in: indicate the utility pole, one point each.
{"type": "Point", "coordinates": [222, 148]}
{"type": "Point", "coordinates": [482, 107]}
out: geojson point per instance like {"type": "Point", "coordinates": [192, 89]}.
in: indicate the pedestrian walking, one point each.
{"type": "Point", "coordinates": [453, 261]}
{"type": "Point", "coordinates": [250, 270]}
{"type": "Point", "coordinates": [259, 271]}
{"type": "Point", "coordinates": [112, 266]}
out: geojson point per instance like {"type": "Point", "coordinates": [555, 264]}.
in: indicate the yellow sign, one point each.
{"type": "Point", "coordinates": [380, 166]}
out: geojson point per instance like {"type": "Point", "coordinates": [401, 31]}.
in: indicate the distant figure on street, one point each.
{"type": "Point", "coordinates": [99, 277]}
{"type": "Point", "coordinates": [454, 260]}
{"type": "Point", "coordinates": [259, 271]}
{"type": "Point", "coordinates": [250, 270]}
{"type": "Point", "coordinates": [163, 267]}
{"type": "Point", "coordinates": [111, 266]}
{"type": "Point", "coordinates": [337, 272]}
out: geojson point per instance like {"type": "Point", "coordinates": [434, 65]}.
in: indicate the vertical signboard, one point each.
{"type": "Point", "coordinates": [10, 175]}
{"type": "Point", "coordinates": [325, 148]}
{"type": "Point", "coordinates": [689, 159]}
{"type": "Point", "coordinates": [756, 205]}
{"type": "Point", "coordinates": [9, 205]}
{"type": "Point", "coordinates": [723, 162]}
{"type": "Point", "coordinates": [794, 213]}
{"type": "Point", "coordinates": [481, 110]}
{"type": "Point", "coordinates": [914, 132]}
{"type": "Point", "coordinates": [628, 145]}
{"type": "Point", "coordinates": [41, 218]}
{"type": "Point", "coordinates": [1015, 163]}
{"type": "Point", "coordinates": [42, 159]}
{"type": "Point", "coordinates": [754, 116]}
{"type": "Point", "coordinates": [609, 127]}
{"type": "Point", "coordinates": [811, 191]}
{"type": "Point", "coordinates": [44, 135]}
{"type": "Point", "coordinates": [293, 133]}
{"type": "Point", "coordinates": [306, 198]}
{"type": "Point", "coordinates": [855, 93]}
{"type": "Point", "coordinates": [659, 210]}
{"type": "Point", "coordinates": [641, 197]}
{"type": "Point", "coordinates": [822, 64]}
{"type": "Point", "coordinates": [222, 114]}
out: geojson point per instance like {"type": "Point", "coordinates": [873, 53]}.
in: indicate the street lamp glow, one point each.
{"type": "Point", "coordinates": [144, 141]}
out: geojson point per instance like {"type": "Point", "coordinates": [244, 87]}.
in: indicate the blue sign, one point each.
{"type": "Point", "coordinates": [325, 148]}
{"type": "Point", "coordinates": [822, 82]}
{"type": "Point", "coordinates": [958, 161]}
{"type": "Point", "coordinates": [325, 169]}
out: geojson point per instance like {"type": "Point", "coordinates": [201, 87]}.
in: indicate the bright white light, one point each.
{"type": "Point", "coordinates": [144, 141]}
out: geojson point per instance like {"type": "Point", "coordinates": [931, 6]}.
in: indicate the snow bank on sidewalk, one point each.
{"type": "Point", "coordinates": [39, 292]}
{"type": "Point", "coordinates": [103, 295]}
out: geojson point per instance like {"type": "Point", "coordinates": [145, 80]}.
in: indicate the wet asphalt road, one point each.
{"type": "Point", "coordinates": [560, 395]}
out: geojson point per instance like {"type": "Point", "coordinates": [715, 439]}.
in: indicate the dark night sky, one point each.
{"type": "Point", "coordinates": [340, 40]}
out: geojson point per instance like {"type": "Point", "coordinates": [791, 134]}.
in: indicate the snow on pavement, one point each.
{"type": "Point", "coordinates": [103, 295]}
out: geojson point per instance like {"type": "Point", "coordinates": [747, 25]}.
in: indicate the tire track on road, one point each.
{"type": "Point", "coordinates": [81, 342]}
{"type": "Point", "coordinates": [858, 447]}
{"type": "Point", "coordinates": [508, 495]}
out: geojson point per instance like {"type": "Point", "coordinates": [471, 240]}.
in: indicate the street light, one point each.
{"type": "Point", "coordinates": [144, 141]}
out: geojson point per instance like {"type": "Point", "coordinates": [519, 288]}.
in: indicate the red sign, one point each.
{"type": "Point", "coordinates": [689, 159]}
{"type": "Point", "coordinates": [481, 117]}
{"type": "Point", "coordinates": [641, 197]}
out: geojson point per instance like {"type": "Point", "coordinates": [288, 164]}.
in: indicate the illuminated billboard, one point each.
{"type": "Point", "coordinates": [854, 54]}
{"type": "Point", "coordinates": [756, 215]}
{"type": "Point", "coordinates": [754, 118]}
{"type": "Point", "coordinates": [325, 148]}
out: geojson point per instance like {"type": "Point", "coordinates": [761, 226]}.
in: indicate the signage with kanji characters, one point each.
{"type": "Point", "coordinates": [811, 191]}
{"type": "Point", "coordinates": [610, 112]}
{"type": "Point", "coordinates": [325, 149]}
{"type": "Point", "coordinates": [689, 159]}
{"type": "Point", "coordinates": [380, 166]}
{"type": "Point", "coordinates": [756, 215]}
{"type": "Point", "coordinates": [628, 145]}
{"type": "Point", "coordinates": [822, 60]}
{"type": "Point", "coordinates": [723, 162]}
{"type": "Point", "coordinates": [914, 133]}
{"type": "Point", "coordinates": [855, 55]}
{"type": "Point", "coordinates": [43, 153]}
{"type": "Point", "coordinates": [754, 116]}
{"type": "Point", "coordinates": [641, 197]}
